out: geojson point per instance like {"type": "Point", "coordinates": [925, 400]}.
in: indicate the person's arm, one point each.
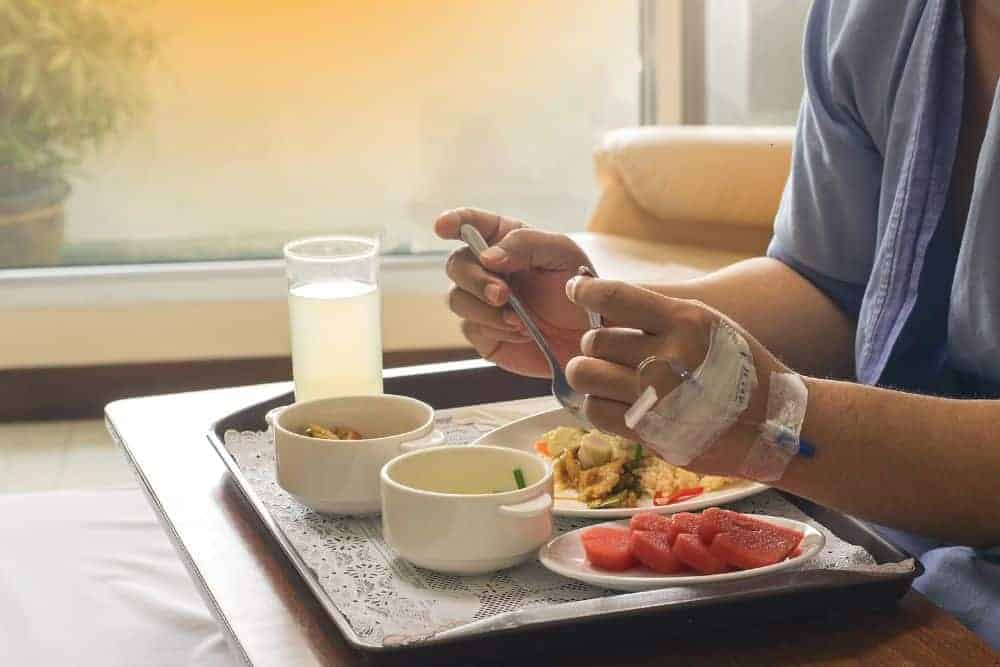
{"type": "Point", "coordinates": [783, 310]}
{"type": "Point", "coordinates": [925, 464]}
{"type": "Point", "coordinates": [920, 463]}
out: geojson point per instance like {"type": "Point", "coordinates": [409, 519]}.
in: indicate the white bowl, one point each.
{"type": "Point", "coordinates": [439, 511]}
{"type": "Point", "coordinates": [342, 476]}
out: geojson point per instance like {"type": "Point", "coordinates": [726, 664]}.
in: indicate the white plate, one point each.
{"type": "Point", "coordinates": [524, 433]}
{"type": "Point", "coordinates": [564, 555]}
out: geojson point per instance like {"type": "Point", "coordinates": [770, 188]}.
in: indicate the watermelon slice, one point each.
{"type": "Point", "coordinates": [747, 549]}
{"type": "Point", "coordinates": [653, 550]}
{"type": "Point", "coordinates": [685, 522]}
{"type": "Point", "coordinates": [651, 521]}
{"type": "Point", "coordinates": [689, 550]}
{"type": "Point", "coordinates": [608, 548]}
{"type": "Point", "coordinates": [715, 521]}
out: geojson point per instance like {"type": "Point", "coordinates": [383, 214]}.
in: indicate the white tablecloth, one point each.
{"type": "Point", "coordinates": [90, 578]}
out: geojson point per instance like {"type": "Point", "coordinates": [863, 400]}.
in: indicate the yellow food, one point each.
{"type": "Point", "coordinates": [332, 433]}
{"type": "Point", "coordinates": [607, 470]}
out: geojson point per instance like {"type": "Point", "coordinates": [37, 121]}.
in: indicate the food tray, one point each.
{"type": "Point", "coordinates": [780, 594]}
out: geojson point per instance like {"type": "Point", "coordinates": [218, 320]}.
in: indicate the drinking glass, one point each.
{"type": "Point", "coordinates": [334, 308]}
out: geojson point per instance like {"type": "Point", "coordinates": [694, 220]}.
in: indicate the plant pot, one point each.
{"type": "Point", "coordinates": [31, 220]}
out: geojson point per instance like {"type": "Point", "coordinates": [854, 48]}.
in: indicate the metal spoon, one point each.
{"type": "Point", "coordinates": [568, 397]}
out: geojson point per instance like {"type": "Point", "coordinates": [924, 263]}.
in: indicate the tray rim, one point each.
{"type": "Point", "coordinates": [638, 603]}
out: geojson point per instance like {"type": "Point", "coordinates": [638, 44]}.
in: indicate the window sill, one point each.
{"type": "Point", "coordinates": [228, 282]}
{"type": "Point", "coordinates": [85, 316]}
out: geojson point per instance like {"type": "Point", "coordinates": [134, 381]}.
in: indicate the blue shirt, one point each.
{"type": "Point", "coordinates": [866, 217]}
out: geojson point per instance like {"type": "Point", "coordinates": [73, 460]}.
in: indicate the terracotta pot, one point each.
{"type": "Point", "coordinates": [31, 220]}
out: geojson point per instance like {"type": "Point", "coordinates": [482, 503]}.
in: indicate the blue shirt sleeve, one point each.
{"type": "Point", "coordinates": [825, 228]}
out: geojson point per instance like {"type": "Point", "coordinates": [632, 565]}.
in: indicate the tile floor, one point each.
{"type": "Point", "coordinates": [45, 456]}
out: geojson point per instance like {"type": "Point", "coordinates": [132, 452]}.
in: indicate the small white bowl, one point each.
{"type": "Point", "coordinates": [439, 511]}
{"type": "Point", "coordinates": [342, 476]}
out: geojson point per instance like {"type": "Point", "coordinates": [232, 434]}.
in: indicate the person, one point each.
{"type": "Point", "coordinates": [881, 287]}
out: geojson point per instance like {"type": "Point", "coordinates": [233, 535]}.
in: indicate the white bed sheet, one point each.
{"type": "Point", "coordinates": [90, 578]}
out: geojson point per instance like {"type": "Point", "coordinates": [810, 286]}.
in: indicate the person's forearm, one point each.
{"type": "Point", "coordinates": [783, 310]}
{"type": "Point", "coordinates": [920, 463]}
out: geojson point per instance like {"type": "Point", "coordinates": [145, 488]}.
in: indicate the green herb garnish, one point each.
{"type": "Point", "coordinates": [519, 478]}
{"type": "Point", "coordinates": [614, 500]}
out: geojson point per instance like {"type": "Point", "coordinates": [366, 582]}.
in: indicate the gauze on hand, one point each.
{"type": "Point", "coordinates": [688, 420]}
{"type": "Point", "coordinates": [779, 434]}
{"type": "Point", "coordinates": [694, 415]}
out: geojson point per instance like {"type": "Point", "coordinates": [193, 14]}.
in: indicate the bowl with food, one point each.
{"type": "Point", "coordinates": [466, 510]}
{"type": "Point", "coordinates": [329, 451]}
{"type": "Point", "coordinates": [600, 475]}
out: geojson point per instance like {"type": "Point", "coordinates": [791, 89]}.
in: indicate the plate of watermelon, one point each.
{"type": "Point", "coordinates": [658, 551]}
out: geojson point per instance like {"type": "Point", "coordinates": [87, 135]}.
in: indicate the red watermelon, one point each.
{"type": "Point", "coordinates": [651, 521]}
{"type": "Point", "coordinates": [653, 550]}
{"type": "Point", "coordinates": [608, 548]}
{"type": "Point", "coordinates": [715, 521]}
{"type": "Point", "coordinates": [689, 550]}
{"type": "Point", "coordinates": [686, 522]}
{"type": "Point", "coordinates": [747, 549]}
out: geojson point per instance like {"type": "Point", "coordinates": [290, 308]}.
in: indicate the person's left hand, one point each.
{"type": "Point", "coordinates": [643, 324]}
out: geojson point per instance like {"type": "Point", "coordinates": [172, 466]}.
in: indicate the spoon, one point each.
{"type": "Point", "coordinates": [568, 397]}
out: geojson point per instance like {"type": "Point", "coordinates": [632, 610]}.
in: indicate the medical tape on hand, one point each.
{"type": "Point", "coordinates": [687, 421]}
{"type": "Point", "coordinates": [778, 442]}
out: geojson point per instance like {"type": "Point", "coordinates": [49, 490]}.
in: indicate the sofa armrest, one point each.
{"type": "Point", "coordinates": [716, 187]}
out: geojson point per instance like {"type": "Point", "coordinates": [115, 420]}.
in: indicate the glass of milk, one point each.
{"type": "Point", "coordinates": [334, 307]}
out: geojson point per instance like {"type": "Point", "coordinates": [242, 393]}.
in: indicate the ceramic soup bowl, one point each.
{"type": "Point", "coordinates": [458, 509]}
{"type": "Point", "coordinates": [342, 476]}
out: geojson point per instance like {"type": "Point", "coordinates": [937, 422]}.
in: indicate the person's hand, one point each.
{"type": "Point", "coordinates": [648, 324]}
{"type": "Point", "coordinates": [536, 265]}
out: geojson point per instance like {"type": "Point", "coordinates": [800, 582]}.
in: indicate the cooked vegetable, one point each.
{"type": "Point", "coordinates": [519, 478]}
{"type": "Point", "coordinates": [332, 433]}
{"type": "Point", "coordinates": [679, 495]}
{"type": "Point", "coordinates": [637, 459]}
{"type": "Point", "coordinates": [614, 500]}
{"type": "Point", "coordinates": [542, 447]}
{"type": "Point", "coordinates": [594, 451]}
{"type": "Point", "coordinates": [589, 466]}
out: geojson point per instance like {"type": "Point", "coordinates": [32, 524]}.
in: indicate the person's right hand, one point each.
{"type": "Point", "coordinates": [536, 265]}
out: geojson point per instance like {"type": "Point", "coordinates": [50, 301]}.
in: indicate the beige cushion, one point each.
{"type": "Point", "coordinates": [623, 258]}
{"type": "Point", "coordinates": [697, 185]}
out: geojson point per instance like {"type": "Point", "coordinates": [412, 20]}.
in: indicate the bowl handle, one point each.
{"type": "Point", "coordinates": [272, 415]}
{"type": "Point", "coordinates": [529, 509]}
{"type": "Point", "coordinates": [432, 439]}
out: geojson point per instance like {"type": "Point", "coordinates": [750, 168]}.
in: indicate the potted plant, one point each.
{"type": "Point", "coordinates": [71, 76]}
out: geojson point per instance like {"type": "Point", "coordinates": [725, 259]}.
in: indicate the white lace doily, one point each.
{"type": "Point", "coordinates": [387, 601]}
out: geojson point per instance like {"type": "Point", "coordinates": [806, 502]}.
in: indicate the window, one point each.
{"type": "Point", "coordinates": [743, 63]}
{"type": "Point", "coordinates": [270, 121]}
{"type": "Point", "coordinates": [267, 121]}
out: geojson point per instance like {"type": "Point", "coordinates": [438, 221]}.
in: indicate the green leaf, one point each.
{"type": "Point", "coordinates": [27, 86]}
{"type": "Point", "coordinates": [60, 60]}
{"type": "Point", "coordinates": [12, 50]}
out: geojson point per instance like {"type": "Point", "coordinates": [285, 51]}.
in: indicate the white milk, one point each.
{"type": "Point", "coordinates": [336, 339]}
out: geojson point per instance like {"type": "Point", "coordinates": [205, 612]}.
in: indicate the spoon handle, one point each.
{"type": "Point", "coordinates": [595, 319]}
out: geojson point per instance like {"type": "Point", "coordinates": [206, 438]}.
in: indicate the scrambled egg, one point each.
{"type": "Point", "coordinates": [606, 470]}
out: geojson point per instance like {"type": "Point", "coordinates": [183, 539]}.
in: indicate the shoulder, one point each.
{"type": "Point", "coordinates": [855, 52]}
